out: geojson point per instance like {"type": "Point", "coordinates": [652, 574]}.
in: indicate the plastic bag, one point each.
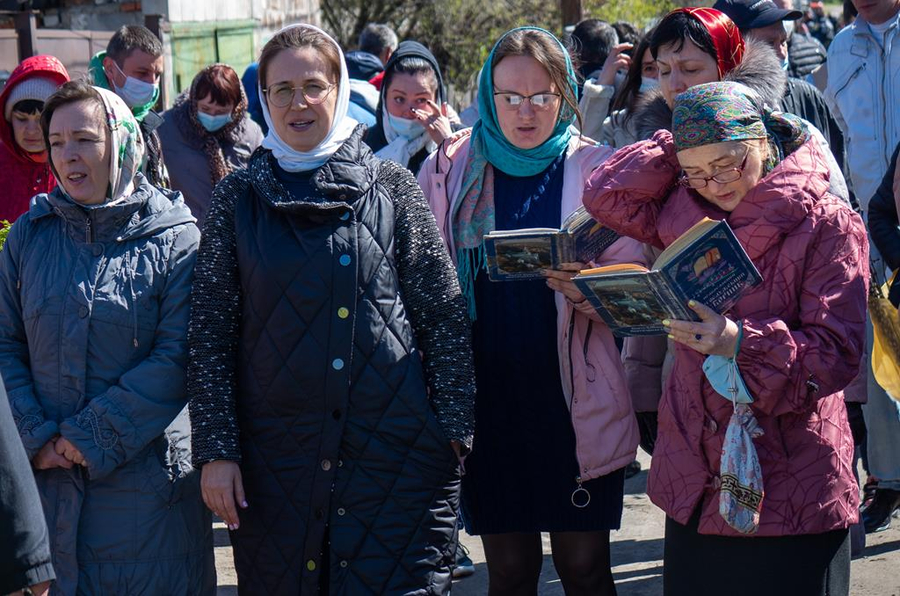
{"type": "Point", "coordinates": [741, 493]}
{"type": "Point", "coordinates": [886, 326]}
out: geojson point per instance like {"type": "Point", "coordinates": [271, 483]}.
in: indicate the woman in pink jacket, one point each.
{"type": "Point", "coordinates": [796, 339]}
{"type": "Point", "coordinates": [554, 424]}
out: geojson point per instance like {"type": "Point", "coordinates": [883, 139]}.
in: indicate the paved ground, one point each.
{"type": "Point", "coordinates": [637, 555]}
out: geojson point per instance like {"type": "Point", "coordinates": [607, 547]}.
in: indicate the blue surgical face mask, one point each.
{"type": "Point", "coordinates": [213, 123]}
{"type": "Point", "coordinates": [785, 64]}
{"type": "Point", "coordinates": [648, 83]}
{"type": "Point", "coordinates": [135, 93]}
{"type": "Point", "coordinates": [408, 129]}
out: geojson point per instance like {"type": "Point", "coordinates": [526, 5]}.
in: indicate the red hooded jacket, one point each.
{"type": "Point", "coordinates": [22, 176]}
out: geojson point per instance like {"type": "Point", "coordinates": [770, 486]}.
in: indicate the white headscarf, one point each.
{"type": "Point", "coordinates": [342, 126]}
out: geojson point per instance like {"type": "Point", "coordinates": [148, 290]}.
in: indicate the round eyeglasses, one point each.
{"type": "Point", "coordinates": [282, 95]}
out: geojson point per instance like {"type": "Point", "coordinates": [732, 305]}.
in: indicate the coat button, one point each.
{"type": "Point", "coordinates": [344, 564]}
{"type": "Point", "coordinates": [343, 312]}
{"type": "Point", "coordinates": [83, 312]}
{"type": "Point", "coordinates": [341, 511]}
{"type": "Point", "coordinates": [344, 260]}
{"type": "Point", "coordinates": [326, 464]}
{"type": "Point", "coordinates": [311, 565]}
{"type": "Point", "coordinates": [337, 364]}
{"type": "Point", "coordinates": [345, 216]}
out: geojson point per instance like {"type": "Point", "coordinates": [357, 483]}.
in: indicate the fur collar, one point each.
{"type": "Point", "coordinates": [760, 70]}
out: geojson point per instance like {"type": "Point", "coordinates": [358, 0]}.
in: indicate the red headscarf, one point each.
{"type": "Point", "coordinates": [725, 36]}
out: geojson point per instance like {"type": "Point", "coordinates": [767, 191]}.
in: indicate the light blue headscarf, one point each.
{"type": "Point", "coordinates": [473, 215]}
{"type": "Point", "coordinates": [489, 139]}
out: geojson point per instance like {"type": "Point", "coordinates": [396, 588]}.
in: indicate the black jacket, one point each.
{"type": "Point", "coordinates": [883, 223]}
{"type": "Point", "coordinates": [804, 100]}
{"type": "Point", "coordinates": [312, 317]}
{"type": "Point", "coordinates": [24, 542]}
{"type": "Point", "coordinates": [375, 137]}
{"type": "Point", "coordinates": [805, 54]}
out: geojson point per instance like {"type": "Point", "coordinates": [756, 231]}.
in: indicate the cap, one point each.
{"type": "Point", "coordinates": [816, 4]}
{"type": "Point", "coordinates": [36, 88]}
{"type": "Point", "coordinates": [755, 14]}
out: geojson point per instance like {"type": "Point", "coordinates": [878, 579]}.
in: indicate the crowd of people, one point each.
{"type": "Point", "coordinates": [269, 303]}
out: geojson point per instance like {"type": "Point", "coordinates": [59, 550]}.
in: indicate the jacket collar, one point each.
{"type": "Point", "coordinates": [345, 177]}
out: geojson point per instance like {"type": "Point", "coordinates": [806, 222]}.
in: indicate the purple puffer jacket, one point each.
{"type": "Point", "coordinates": [804, 332]}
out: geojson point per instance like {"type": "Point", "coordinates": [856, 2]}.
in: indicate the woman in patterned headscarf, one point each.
{"type": "Point", "coordinates": [795, 339]}
{"type": "Point", "coordinates": [95, 283]}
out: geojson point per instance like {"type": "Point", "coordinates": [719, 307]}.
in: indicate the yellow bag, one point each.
{"type": "Point", "coordinates": [886, 348]}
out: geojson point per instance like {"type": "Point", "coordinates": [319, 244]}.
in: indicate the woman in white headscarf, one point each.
{"type": "Point", "coordinates": [331, 375]}
{"type": "Point", "coordinates": [95, 284]}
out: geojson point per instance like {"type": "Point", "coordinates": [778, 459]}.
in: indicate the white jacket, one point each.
{"type": "Point", "coordinates": [863, 92]}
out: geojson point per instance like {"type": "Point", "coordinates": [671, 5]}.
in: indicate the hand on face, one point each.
{"type": "Point", "coordinates": [79, 151]}
{"type": "Point", "coordinates": [618, 60]}
{"type": "Point", "coordinates": [435, 120]}
{"type": "Point", "coordinates": [412, 97]}
{"type": "Point", "coordinates": [525, 126]}
{"type": "Point", "coordinates": [302, 125]}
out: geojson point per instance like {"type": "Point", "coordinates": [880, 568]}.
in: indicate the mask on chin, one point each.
{"type": "Point", "coordinates": [648, 84]}
{"type": "Point", "coordinates": [408, 129]}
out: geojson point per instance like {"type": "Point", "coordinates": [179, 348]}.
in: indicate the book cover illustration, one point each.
{"type": "Point", "coordinates": [522, 254]}
{"type": "Point", "coordinates": [706, 264]}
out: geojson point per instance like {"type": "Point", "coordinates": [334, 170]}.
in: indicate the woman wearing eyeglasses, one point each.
{"type": "Point", "coordinates": [554, 424]}
{"type": "Point", "coordinates": [795, 340]}
{"type": "Point", "coordinates": [330, 373]}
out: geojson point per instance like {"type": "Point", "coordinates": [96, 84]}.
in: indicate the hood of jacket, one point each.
{"type": "Point", "coordinates": [362, 65]}
{"type": "Point", "coordinates": [36, 66]}
{"type": "Point", "coordinates": [760, 70]}
{"type": "Point", "coordinates": [146, 212]}
{"type": "Point", "coordinates": [408, 49]}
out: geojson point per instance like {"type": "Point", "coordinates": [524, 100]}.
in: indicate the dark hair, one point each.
{"type": "Point", "coordinates": [678, 27]}
{"type": "Point", "coordinates": [220, 82]}
{"type": "Point", "coordinates": [298, 37]}
{"type": "Point", "coordinates": [630, 92]}
{"type": "Point", "coordinates": [133, 37]}
{"type": "Point", "coordinates": [410, 65]}
{"type": "Point", "coordinates": [68, 93]}
{"type": "Point", "coordinates": [627, 32]}
{"type": "Point", "coordinates": [375, 37]}
{"type": "Point", "coordinates": [593, 40]}
{"type": "Point", "coordinates": [548, 53]}
{"type": "Point", "coordinates": [28, 106]}
{"type": "Point", "coordinates": [849, 12]}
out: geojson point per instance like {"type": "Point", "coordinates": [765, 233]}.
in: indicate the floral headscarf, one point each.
{"type": "Point", "coordinates": [126, 146]}
{"type": "Point", "coordinates": [727, 111]}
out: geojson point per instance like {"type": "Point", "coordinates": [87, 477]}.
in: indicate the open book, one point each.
{"type": "Point", "coordinates": [706, 264]}
{"type": "Point", "coordinates": [521, 254]}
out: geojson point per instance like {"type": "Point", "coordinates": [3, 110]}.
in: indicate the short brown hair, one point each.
{"type": "Point", "coordinates": [298, 37]}
{"type": "Point", "coordinates": [550, 54]}
{"type": "Point", "coordinates": [71, 92]}
{"type": "Point", "coordinates": [218, 81]}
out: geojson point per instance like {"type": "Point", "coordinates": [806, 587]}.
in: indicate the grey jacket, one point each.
{"type": "Point", "coordinates": [186, 160]}
{"type": "Point", "coordinates": [94, 308]}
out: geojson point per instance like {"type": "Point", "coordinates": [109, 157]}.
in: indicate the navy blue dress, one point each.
{"type": "Point", "coordinates": [521, 474]}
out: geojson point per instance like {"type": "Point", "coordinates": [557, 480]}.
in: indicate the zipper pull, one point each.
{"type": "Point", "coordinates": [581, 498]}
{"type": "Point", "coordinates": [89, 234]}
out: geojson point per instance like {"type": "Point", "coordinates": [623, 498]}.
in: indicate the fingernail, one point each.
{"type": "Point", "coordinates": [666, 322]}
{"type": "Point", "coordinates": [691, 303]}
{"type": "Point", "coordinates": [244, 504]}
{"type": "Point", "coordinates": [671, 336]}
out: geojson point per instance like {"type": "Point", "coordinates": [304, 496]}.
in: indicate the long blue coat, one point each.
{"type": "Point", "coordinates": [94, 310]}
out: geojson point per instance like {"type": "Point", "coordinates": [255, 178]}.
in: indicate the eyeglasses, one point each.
{"type": "Point", "coordinates": [539, 101]}
{"type": "Point", "coordinates": [723, 177]}
{"type": "Point", "coordinates": [281, 95]}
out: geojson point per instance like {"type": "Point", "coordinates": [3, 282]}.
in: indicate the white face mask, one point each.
{"type": "Point", "coordinates": [135, 93]}
{"type": "Point", "coordinates": [789, 27]}
{"type": "Point", "coordinates": [648, 83]}
{"type": "Point", "coordinates": [408, 129]}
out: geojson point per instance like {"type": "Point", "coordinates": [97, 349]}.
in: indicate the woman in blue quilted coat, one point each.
{"type": "Point", "coordinates": [95, 282]}
{"type": "Point", "coordinates": [331, 377]}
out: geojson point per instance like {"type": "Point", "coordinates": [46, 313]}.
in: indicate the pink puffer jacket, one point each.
{"type": "Point", "coordinates": [804, 332]}
{"type": "Point", "coordinates": [606, 434]}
